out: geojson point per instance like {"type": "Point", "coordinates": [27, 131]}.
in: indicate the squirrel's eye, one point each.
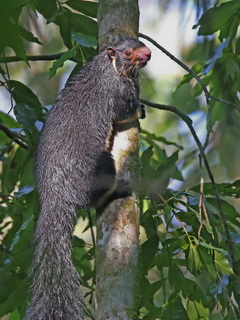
{"type": "Point", "coordinates": [128, 53]}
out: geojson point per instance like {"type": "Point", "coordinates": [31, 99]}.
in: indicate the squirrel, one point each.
{"type": "Point", "coordinates": [74, 168]}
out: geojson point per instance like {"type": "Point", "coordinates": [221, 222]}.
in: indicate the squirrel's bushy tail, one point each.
{"type": "Point", "coordinates": [55, 290]}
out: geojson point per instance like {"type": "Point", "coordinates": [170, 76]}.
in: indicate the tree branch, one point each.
{"type": "Point", "coordinates": [202, 154]}
{"type": "Point", "coordinates": [41, 57]}
{"type": "Point", "coordinates": [208, 95]}
{"type": "Point", "coordinates": [13, 136]}
{"type": "Point", "coordinates": [189, 70]}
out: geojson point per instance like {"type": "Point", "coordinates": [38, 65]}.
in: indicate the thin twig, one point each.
{"type": "Point", "coordinates": [94, 245]}
{"type": "Point", "coordinates": [14, 136]}
{"type": "Point", "coordinates": [168, 108]}
{"type": "Point", "coordinates": [189, 70]}
{"type": "Point", "coordinates": [7, 78]}
{"type": "Point", "coordinates": [91, 228]}
{"type": "Point", "coordinates": [200, 204]}
{"type": "Point", "coordinates": [183, 227]}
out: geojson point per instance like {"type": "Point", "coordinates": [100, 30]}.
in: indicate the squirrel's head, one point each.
{"type": "Point", "coordinates": [128, 55]}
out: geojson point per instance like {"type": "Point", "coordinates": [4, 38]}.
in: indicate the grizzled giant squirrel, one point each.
{"type": "Point", "coordinates": [74, 168]}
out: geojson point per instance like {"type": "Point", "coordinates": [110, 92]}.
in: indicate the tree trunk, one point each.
{"type": "Point", "coordinates": [117, 248]}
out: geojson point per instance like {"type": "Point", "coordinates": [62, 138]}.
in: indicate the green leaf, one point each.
{"type": "Point", "coordinates": [182, 97]}
{"type": "Point", "coordinates": [153, 314]}
{"type": "Point", "coordinates": [168, 168]}
{"type": "Point", "coordinates": [157, 178]}
{"type": "Point", "coordinates": [82, 24]}
{"type": "Point", "coordinates": [207, 261]}
{"type": "Point", "coordinates": [146, 155]}
{"type": "Point", "coordinates": [194, 261]}
{"type": "Point", "coordinates": [47, 8]}
{"type": "Point", "coordinates": [9, 35]}
{"type": "Point", "coordinates": [148, 251]}
{"type": "Point", "coordinates": [217, 17]}
{"type": "Point", "coordinates": [151, 289]}
{"type": "Point", "coordinates": [230, 211]}
{"type": "Point", "coordinates": [207, 226]}
{"type": "Point", "coordinates": [85, 39]}
{"type": "Point", "coordinates": [232, 313]}
{"type": "Point", "coordinates": [209, 246]}
{"type": "Point", "coordinates": [25, 116]}
{"type": "Point", "coordinates": [232, 189]}
{"type": "Point", "coordinates": [197, 90]}
{"type": "Point", "coordinates": [149, 137]}
{"type": "Point", "coordinates": [11, 6]}
{"type": "Point", "coordinates": [86, 7]}
{"type": "Point", "coordinates": [22, 235]}
{"type": "Point", "coordinates": [20, 258]}
{"type": "Point", "coordinates": [218, 113]}
{"type": "Point", "coordinates": [24, 95]}
{"type": "Point", "coordinates": [14, 315]}
{"type": "Point", "coordinates": [162, 260]}
{"type": "Point", "coordinates": [8, 121]}
{"type": "Point", "coordinates": [27, 35]}
{"type": "Point", "coordinates": [237, 46]}
{"type": "Point", "coordinates": [226, 189]}
{"type": "Point", "coordinates": [234, 26]}
{"type": "Point", "coordinates": [191, 288]}
{"type": "Point", "coordinates": [62, 20]}
{"type": "Point", "coordinates": [222, 264]}
{"type": "Point", "coordinates": [149, 223]}
{"type": "Point", "coordinates": [10, 174]}
{"type": "Point", "coordinates": [196, 311]}
{"type": "Point", "coordinates": [232, 68]}
{"type": "Point", "coordinates": [27, 172]}
{"type": "Point", "coordinates": [185, 79]}
{"type": "Point", "coordinates": [197, 67]}
{"type": "Point", "coordinates": [175, 277]}
{"type": "Point", "coordinates": [16, 298]}
{"type": "Point", "coordinates": [173, 309]}
{"type": "Point", "coordinates": [189, 217]}
{"type": "Point", "coordinates": [60, 62]}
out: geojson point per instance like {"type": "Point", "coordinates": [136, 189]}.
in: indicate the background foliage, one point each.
{"type": "Point", "coordinates": [190, 223]}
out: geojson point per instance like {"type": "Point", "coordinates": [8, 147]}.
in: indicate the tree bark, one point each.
{"type": "Point", "coordinates": [117, 248]}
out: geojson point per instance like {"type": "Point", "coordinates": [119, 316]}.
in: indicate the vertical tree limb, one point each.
{"type": "Point", "coordinates": [117, 248]}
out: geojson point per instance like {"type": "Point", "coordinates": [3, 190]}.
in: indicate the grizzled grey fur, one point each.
{"type": "Point", "coordinates": [75, 169]}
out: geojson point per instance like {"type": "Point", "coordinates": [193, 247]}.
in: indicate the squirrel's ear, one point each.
{"type": "Point", "coordinates": [111, 52]}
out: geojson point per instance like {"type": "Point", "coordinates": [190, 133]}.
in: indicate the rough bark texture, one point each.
{"type": "Point", "coordinates": [117, 17]}
{"type": "Point", "coordinates": [118, 227]}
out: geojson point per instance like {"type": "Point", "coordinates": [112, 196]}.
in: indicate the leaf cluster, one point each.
{"type": "Point", "coordinates": [190, 254]}
{"type": "Point", "coordinates": [186, 266]}
{"type": "Point", "coordinates": [220, 69]}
